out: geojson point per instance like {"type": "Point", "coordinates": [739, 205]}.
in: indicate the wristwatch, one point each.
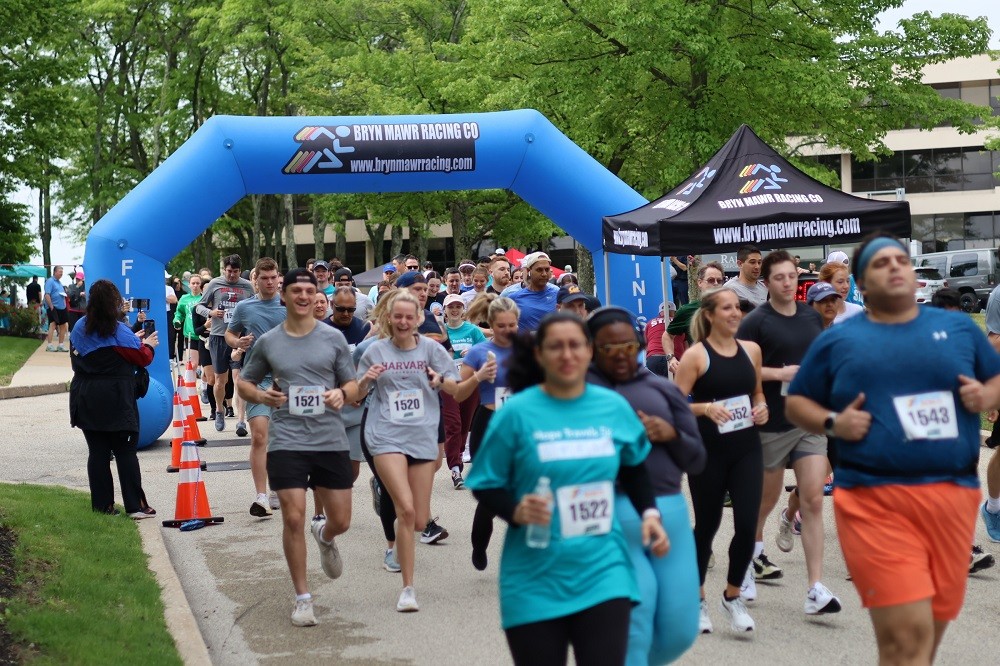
{"type": "Point", "coordinates": [829, 422]}
{"type": "Point", "coordinates": [669, 357]}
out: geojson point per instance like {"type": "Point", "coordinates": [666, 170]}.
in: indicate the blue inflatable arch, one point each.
{"type": "Point", "coordinates": [231, 157]}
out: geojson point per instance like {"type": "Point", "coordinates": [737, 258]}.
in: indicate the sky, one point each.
{"type": "Point", "coordinates": [65, 250]}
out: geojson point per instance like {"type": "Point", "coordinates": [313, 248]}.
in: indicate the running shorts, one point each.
{"type": "Point", "coordinates": [309, 469]}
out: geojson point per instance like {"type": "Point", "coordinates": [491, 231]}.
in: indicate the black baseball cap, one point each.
{"type": "Point", "coordinates": [298, 275]}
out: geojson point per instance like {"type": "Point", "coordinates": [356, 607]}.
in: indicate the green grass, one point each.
{"type": "Point", "coordinates": [84, 594]}
{"type": "Point", "coordinates": [13, 353]}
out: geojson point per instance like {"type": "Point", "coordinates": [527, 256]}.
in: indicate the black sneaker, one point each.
{"type": "Point", "coordinates": [241, 429]}
{"type": "Point", "coordinates": [433, 532]}
{"type": "Point", "coordinates": [229, 413]}
{"type": "Point", "coordinates": [376, 495]}
{"type": "Point", "coordinates": [980, 560]}
{"type": "Point", "coordinates": [764, 569]}
{"type": "Point", "coordinates": [457, 480]}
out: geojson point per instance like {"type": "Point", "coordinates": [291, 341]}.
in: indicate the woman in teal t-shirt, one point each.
{"type": "Point", "coordinates": [580, 588]}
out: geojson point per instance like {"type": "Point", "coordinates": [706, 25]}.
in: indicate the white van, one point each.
{"type": "Point", "coordinates": [972, 272]}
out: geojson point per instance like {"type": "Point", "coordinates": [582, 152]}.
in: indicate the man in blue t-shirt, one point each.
{"type": "Point", "coordinates": [55, 306]}
{"type": "Point", "coordinates": [906, 434]}
{"type": "Point", "coordinates": [538, 297]}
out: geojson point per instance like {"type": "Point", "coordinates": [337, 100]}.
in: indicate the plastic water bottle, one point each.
{"type": "Point", "coordinates": [538, 536]}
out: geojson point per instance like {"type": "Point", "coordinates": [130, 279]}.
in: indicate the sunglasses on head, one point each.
{"type": "Point", "coordinates": [341, 308]}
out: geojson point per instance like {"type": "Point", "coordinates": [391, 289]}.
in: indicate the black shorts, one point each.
{"type": "Point", "coordinates": [222, 354]}
{"type": "Point", "coordinates": [309, 469]}
{"type": "Point", "coordinates": [57, 316]}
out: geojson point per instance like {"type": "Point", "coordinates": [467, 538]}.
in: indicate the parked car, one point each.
{"type": "Point", "coordinates": [973, 273]}
{"type": "Point", "coordinates": [929, 281]}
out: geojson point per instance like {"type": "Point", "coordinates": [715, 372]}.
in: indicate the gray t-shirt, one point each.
{"type": "Point", "coordinates": [756, 294]}
{"type": "Point", "coordinates": [257, 317]}
{"type": "Point", "coordinates": [993, 312]}
{"type": "Point", "coordinates": [404, 410]}
{"type": "Point", "coordinates": [319, 359]}
{"type": "Point", "coordinates": [223, 294]}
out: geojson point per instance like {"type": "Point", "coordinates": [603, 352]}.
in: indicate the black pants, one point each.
{"type": "Point", "coordinates": [740, 470]}
{"type": "Point", "coordinates": [387, 510]}
{"type": "Point", "coordinates": [102, 487]}
{"type": "Point", "coordinates": [599, 636]}
{"type": "Point", "coordinates": [482, 521]}
{"type": "Point", "coordinates": [657, 364]}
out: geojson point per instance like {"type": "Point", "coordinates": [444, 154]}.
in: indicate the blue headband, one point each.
{"type": "Point", "coordinates": [872, 248]}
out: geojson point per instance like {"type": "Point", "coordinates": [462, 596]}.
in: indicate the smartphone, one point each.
{"type": "Point", "coordinates": [140, 303]}
{"type": "Point", "coordinates": [148, 327]}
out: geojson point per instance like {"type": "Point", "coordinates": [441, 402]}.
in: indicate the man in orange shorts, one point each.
{"type": "Point", "coordinates": [907, 439]}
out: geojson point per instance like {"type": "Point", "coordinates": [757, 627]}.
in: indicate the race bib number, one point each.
{"type": "Point", "coordinates": [502, 395]}
{"type": "Point", "coordinates": [458, 366]}
{"type": "Point", "coordinates": [406, 406]}
{"type": "Point", "coordinates": [586, 509]}
{"type": "Point", "coordinates": [928, 415]}
{"type": "Point", "coordinates": [740, 417]}
{"type": "Point", "coordinates": [305, 400]}
{"type": "Point", "coordinates": [227, 315]}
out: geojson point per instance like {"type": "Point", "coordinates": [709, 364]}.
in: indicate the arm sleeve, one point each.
{"type": "Point", "coordinates": [499, 501]}
{"type": "Point", "coordinates": [202, 307]}
{"type": "Point", "coordinates": [441, 361]}
{"type": "Point", "coordinates": [634, 480]}
{"type": "Point", "coordinates": [987, 358]}
{"type": "Point", "coordinates": [682, 320]}
{"type": "Point", "coordinates": [256, 366]}
{"type": "Point", "coordinates": [141, 357]}
{"type": "Point", "coordinates": [814, 377]}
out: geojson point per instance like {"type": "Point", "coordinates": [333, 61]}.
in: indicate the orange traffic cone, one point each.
{"type": "Point", "coordinates": [191, 431]}
{"type": "Point", "coordinates": [192, 498]}
{"type": "Point", "coordinates": [191, 382]}
{"type": "Point", "coordinates": [180, 430]}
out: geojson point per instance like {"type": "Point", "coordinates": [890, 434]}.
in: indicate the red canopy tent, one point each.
{"type": "Point", "coordinates": [516, 256]}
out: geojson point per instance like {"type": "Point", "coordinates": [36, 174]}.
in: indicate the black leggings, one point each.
{"type": "Point", "coordinates": [387, 510]}
{"type": "Point", "coordinates": [740, 470]}
{"type": "Point", "coordinates": [599, 636]}
{"type": "Point", "coordinates": [482, 521]}
{"type": "Point", "coordinates": [102, 488]}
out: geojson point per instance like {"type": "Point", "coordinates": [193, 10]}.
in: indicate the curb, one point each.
{"type": "Point", "coordinates": [180, 619]}
{"type": "Point", "coordinates": [9, 392]}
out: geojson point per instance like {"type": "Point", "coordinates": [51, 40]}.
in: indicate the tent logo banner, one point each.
{"type": "Point", "coordinates": [630, 238]}
{"type": "Point", "coordinates": [385, 148]}
{"type": "Point", "coordinates": [767, 177]}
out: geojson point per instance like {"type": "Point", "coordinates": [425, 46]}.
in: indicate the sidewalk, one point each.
{"type": "Point", "coordinates": [42, 374]}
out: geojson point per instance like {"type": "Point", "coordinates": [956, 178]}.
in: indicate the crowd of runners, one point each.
{"type": "Point", "coordinates": [576, 426]}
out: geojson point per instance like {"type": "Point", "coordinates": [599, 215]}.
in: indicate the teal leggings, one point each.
{"type": "Point", "coordinates": [665, 623]}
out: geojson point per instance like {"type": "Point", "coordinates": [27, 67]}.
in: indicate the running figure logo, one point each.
{"type": "Point", "coordinates": [768, 178]}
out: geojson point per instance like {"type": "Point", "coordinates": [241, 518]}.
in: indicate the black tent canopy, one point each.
{"type": "Point", "coordinates": [748, 193]}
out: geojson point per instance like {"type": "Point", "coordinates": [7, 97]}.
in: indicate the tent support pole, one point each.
{"type": "Point", "coordinates": [607, 280]}
{"type": "Point", "coordinates": [663, 279]}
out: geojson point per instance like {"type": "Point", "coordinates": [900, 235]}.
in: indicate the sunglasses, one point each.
{"type": "Point", "coordinates": [341, 308]}
{"type": "Point", "coordinates": [611, 349]}
{"type": "Point", "coordinates": [714, 280]}
{"type": "Point", "coordinates": [413, 268]}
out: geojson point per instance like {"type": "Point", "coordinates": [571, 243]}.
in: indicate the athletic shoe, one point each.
{"type": "Point", "coordinates": [748, 590]}
{"type": "Point", "coordinates": [302, 615]}
{"type": "Point", "coordinates": [241, 429]}
{"type": "Point", "coordinates": [980, 560]}
{"type": "Point", "coordinates": [50, 348]}
{"type": "Point", "coordinates": [391, 564]}
{"type": "Point", "coordinates": [220, 421]}
{"type": "Point", "coordinates": [797, 524]}
{"type": "Point", "coordinates": [457, 480]}
{"type": "Point", "coordinates": [466, 454]}
{"type": "Point", "coordinates": [329, 555]}
{"type": "Point", "coordinates": [62, 349]}
{"type": "Point", "coordinates": [827, 489]}
{"type": "Point", "coordinates": [479, 559]}
{"type": "Point", "coordinates": [992, 521]}
{"type": "Point", "coordinates": [711, 560]}
{"type": "Point", "coordinates": [727, 501]}
{"type": "Point", "coordinates": [150, 512]}
{"type": "Point", "coordinates": [260, 508]}
{"type": "Point", "coordinates": [229, 413]}
{"type": "Point", "coordinates": [407, 600]}
{"type": "Point", "coordinates": [820, 600]}
{"type": "Point", "coordinates": [376, 495]}
{"type": "Point", "coordinates": [704, 621]}
{"type": "Point", "coordinates": [764, 569]}
{"type": "Point", "coordinates": [739, 618]}
{"type": "Point", "coordinates": [784, 536]}
{"type": "Point", "coordinates": [204, 395]}
{"type": "Point", "coordinates": [273, 500]}
{"type": "Point", "coordinates": [433, 532]}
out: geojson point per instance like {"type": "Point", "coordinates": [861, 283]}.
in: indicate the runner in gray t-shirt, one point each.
{"type": "Point", "coordinates": [747, 284]}
{"type": "Point", "coordinates": [313, 379]}
{"type": "Point", "coordinates": [401, 430]}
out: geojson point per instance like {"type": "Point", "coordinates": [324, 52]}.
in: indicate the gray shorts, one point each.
{"type": "Point", "coordinates": [354, 439]}
{"type": "Point", "coordinates": [254, 409]}
{"type": "Point", "coordinates": [780, 448]}
{"type": "Point", "coordinates": [222, 354]}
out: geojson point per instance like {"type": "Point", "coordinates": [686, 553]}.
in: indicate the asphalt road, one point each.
{"type": "Point", "coordinates": [236, 582]}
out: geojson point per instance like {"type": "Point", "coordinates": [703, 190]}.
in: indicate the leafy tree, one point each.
{"type": "Point", "coordinates": [16, 241]}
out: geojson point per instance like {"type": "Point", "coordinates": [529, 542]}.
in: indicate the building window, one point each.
{"type": "Point", "coordinates": [928, 170]}
{"type": "Point", "coordinates": [955, 231]}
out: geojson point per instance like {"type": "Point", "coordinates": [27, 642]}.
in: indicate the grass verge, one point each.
{"type": "Point", "coordinates": [13, 353]}
{"type": "Point", "coordinates": [84, 593]}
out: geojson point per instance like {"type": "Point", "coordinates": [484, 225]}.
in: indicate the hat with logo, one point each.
{"type": "Point", "coordinates": [534, 258]}
{"type": "Point", "coordinates": [388, 268]}
{"type": "Point", "coordinates": [819, 291]}
{"type": "Point", "coordinates": [454, 298]}
{"type": "Point", "coordinates": [342, 272]}
{"type": "Point", "coordinates": [570, 293]}
{"type": "Point", "coordinates": [670, 307]}
{"type": "Point", "coordinates": [838, 257]}
{"type": "Point", "coordinates": [410, 278]}
{"type": "Point", "coordinates": [298, 275]}
{"type": "Point", "coordinates": [321, 264]}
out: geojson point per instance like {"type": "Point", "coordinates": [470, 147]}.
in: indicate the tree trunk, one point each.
{"type": "Point", "coordinates": [255, 202]}
{"type": "Point", "coordinates": [418, 239]}
{"type": "Point", "coordinates": [395, 240]}
{"type": "Point", "coordinates": [45, 222]}
{"type": "Point", "coordinates": [319, 230]}
{"type": "Point", "coordinates": [376, 234]}
{"type": "Point", "coordinates": [340, 238]}
{"type": "Point", "coordinates": [585, 270]}
{"type": "Point", "coordinates": [290, 253]}
{"type": "Point", "coordinates": [460, 230]}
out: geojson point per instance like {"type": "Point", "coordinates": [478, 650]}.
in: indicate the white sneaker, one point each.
{"type": "Point", "coordinates": [784, 537]}
{"type": "Point", "coordinates": [274, 501]}
{"type": "Point", "coordinates": [466, 454]}
{"type": "Point", "coordinates": [260, 508]}
{"type": "Point", "coordinates": [739, 618]}
{"type": "Point", "coordinates": [748, 590]}
{"type": "Point", "coordinates": [820, 600]}
{"type": "Point", "coordinates": [407, 600]}
{"type": "Point", "coordinates": [704, 621]}
{"type": "Point", "coordinates": [50, 348]}
{"type": "Point", "coordinates": [329, 555]}
{"type": "Point", "coordinates": [302, 615]}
